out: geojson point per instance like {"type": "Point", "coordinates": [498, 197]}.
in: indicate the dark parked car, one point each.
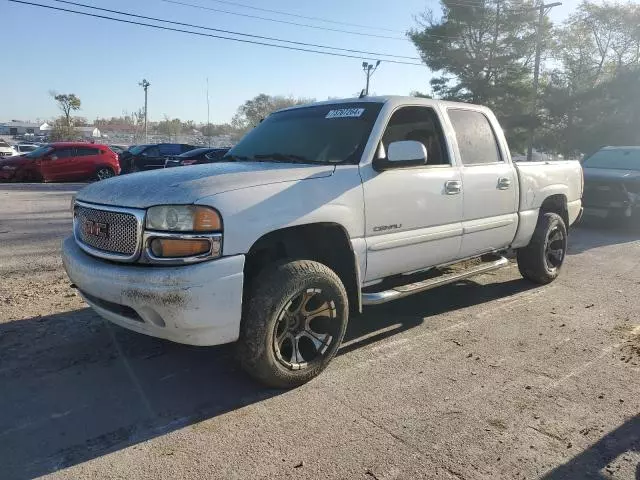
{"type": "Point", "coordinates": [149, 157]}
{"type": "Point", "coordinates": [60, 162]}
{"type": "Point", "coordinates": [196, 157]}
{"type": "Point", "coordinates": [612, 183]}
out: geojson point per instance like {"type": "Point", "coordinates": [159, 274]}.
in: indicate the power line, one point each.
{"type": "Point", "coordinates": [118, 12]}
{"type": "Point", "coordinates": [202, 7]}
{"type": "Point", "coordinates": [202, 34]}
{"type": "Point", "coordinates": [280, 12]}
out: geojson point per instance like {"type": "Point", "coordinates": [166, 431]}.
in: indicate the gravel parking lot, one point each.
{"type": "Point", "coordinates": [489, 378]}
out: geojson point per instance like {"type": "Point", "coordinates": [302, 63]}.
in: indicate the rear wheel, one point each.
{"type": "Point", "coordinates": [542, 259]}
{"type": "Point", "coordinates": [293, 323]}
{"type": "Point", "coordinates": [103, 173]}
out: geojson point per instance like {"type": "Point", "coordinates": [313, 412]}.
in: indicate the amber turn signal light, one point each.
{"type": "Point", "coordinates": [176, 248]}
{"type": "Point", "coordinates": [206, 220]}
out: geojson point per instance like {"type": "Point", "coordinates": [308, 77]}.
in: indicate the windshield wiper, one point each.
{"type": "Point", "coordinates": [283, 157]}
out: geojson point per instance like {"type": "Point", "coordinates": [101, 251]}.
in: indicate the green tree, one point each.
{"type": "Point", "coordinates": [482, 52]}
{"type": "Point", "coordinates": [61, 131]}
{"type": "Point", "coordinates": [592, 96]}
{"type": "Point", "coordinates": [253, 111]}
{"type": "Point", "coordinates": [170, 128]}
{"type": "Point", "coordinates": [67, 103]}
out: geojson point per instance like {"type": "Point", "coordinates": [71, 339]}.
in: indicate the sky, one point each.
{"type": "Point", "coordinates": [103, 61]}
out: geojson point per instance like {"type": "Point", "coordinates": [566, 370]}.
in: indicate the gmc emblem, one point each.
{"type": "Point", "coordinates": [95, 229]}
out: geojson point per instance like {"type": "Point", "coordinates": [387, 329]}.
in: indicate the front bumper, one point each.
{"type": "Point", "coordinates": [198, 304]}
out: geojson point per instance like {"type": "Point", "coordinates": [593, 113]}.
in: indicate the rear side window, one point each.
{"type": "Point", "coordinates": [83, 151]}
{"type": "Point", "coordinates": [151, 152]}
{"type": "Point", "coordinates": [63, 152]}
{"type": "Point", "coordinates": [169, 149]}
{"type": "Point", "coordinates": [476, 140]}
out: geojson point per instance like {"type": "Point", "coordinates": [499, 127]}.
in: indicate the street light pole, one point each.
{"type": "Point", "coordinates": [145, 85]}
{"type": "Point", "coordinates": [368, 68]}
{"type": "Point", "coordinates": [536, 73]}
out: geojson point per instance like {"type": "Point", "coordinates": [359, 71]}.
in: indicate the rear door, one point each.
{"type": "Point", "coordinates": [59, 165]}
{"type": "Point", "coordinates": [86, 161]}
{"type": "Point", "coordinates": [489, 184]}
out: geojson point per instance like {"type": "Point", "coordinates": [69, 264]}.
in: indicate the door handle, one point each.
{"type": "Point", "coordinates": [504, 183]}
{"type": "Point", "coordinates": [452, 187]}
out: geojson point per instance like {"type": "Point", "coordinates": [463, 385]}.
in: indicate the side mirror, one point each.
{"type": "Point", "coordinates": [403, 154]}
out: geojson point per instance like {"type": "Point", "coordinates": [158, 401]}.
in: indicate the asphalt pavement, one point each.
{"type": "Point", "coordinates": [491, 378]}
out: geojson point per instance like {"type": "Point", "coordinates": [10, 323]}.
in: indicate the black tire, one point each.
{"type": "Point", "coordinates": [103, 173]}
{"type": "Point", "coordinates": [271, 312]}
{"type": "Point", "coordinates": [541, 260]}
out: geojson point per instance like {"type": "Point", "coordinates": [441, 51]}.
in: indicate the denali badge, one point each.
{"type": "Point", "coordinates": [96, 229]}
{"type": "Point", "coordinates": [382, 228]}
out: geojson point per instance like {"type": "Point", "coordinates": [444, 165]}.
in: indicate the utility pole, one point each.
{"type": "Point", "coordinates": [536, 72]}
{"type": "Point", "coordinates": [208, 122]}
{"type": "Point", "coordinates": [145, 85]}
{"type": "Point", "coordinates": [368, 68]}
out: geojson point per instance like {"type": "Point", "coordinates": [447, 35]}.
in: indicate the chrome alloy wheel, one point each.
{"type": "Point", "coordinates": [555, 248]}
{"type": "Point", "coordinates": [305, 329]}
{"type": "Point", "coordinates": [104, 173]}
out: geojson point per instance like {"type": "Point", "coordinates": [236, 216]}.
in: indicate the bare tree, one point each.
{"type": "Point", "coordinates": [67, 103]}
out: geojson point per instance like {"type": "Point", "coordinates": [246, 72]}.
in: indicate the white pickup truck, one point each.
{"type": "Point", "coordinates": [318, 211]}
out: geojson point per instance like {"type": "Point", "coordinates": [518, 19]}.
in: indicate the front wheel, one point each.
{"type": "Point", "coordinates": [293, 323]}
{"type": "Point", "coordinates": [542, 259]}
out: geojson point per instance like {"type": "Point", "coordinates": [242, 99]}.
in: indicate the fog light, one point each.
{"type": "Point", "coordinates": [176, 248]}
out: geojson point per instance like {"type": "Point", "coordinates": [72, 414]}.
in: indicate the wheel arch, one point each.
{"type": "Point", "coordinates": [556, 203]}
{"type": "Point", "coordinates": [324, 242]}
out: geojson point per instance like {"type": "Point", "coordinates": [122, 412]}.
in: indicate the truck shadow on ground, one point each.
{"type": "Point", "coordinates": [598, 461]}
{"type": "Point", "coordinates": [75, 387]}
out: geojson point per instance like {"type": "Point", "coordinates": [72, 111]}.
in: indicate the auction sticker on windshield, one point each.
{"type": "Point", "coordinates": [345, 113]}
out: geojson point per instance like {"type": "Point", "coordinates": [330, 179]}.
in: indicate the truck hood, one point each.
{"type": "Point", "coordinates": [184, 185]}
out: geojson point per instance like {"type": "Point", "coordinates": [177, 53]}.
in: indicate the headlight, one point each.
{"type": "Point", "coordinates": [183, 218]}
{"type": "Point", "coordinates": [73, 203]}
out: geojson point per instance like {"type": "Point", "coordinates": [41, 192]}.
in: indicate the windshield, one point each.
{"type": "Point", "coordinates": [4, 144]}
{"type": "Point", "coordinates": [615, 159]}
{"type": "Point", "coordinates": [334, 133]}
{"type": "Point", "coordinates": [39, 152]}
{"type": "Point", "coordinates": [138, 149]}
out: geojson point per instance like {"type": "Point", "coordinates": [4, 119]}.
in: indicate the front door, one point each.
{"type": "Point", "coordinates": [413, 215]}
{"type": "Point", "coordinates": [58, 165]}
{"type": "Point", "coordinates": [490, 185]}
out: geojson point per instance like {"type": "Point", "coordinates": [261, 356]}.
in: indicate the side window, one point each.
{"type": "Point", "coordinates": [63, 153]}
{"type": "Point", "coordinates": [84, 151]}
{"type": "Point", "coordinates": [169, 149]}
{"type": "Point", "coordinates": [476, 140]}
{"type": "Point", "coordinates": [151, 152]}
{"type": "Point", "coordinates": [420, 124]}
{"type": "Point", "coordinates": [185, 148]}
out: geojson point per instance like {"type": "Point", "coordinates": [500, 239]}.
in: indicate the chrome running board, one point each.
{"type": "Point", "coordinates": [402, 291]}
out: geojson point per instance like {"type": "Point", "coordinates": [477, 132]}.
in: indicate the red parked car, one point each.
{"type": "Point", "coordinates": [61, 162]}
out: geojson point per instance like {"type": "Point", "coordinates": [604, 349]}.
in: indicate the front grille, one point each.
{"type": "Point", "coordinates": [120, 236]}
{"type": "Point", "coordinates": [603, 193]}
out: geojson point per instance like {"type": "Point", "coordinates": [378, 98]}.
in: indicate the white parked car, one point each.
{"type": "Point", "coordinates": [6, 150]}
{"type": "Point", "coordinates": [321, 209]}
{"type": "Point", "coordinates": [24, 148]}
